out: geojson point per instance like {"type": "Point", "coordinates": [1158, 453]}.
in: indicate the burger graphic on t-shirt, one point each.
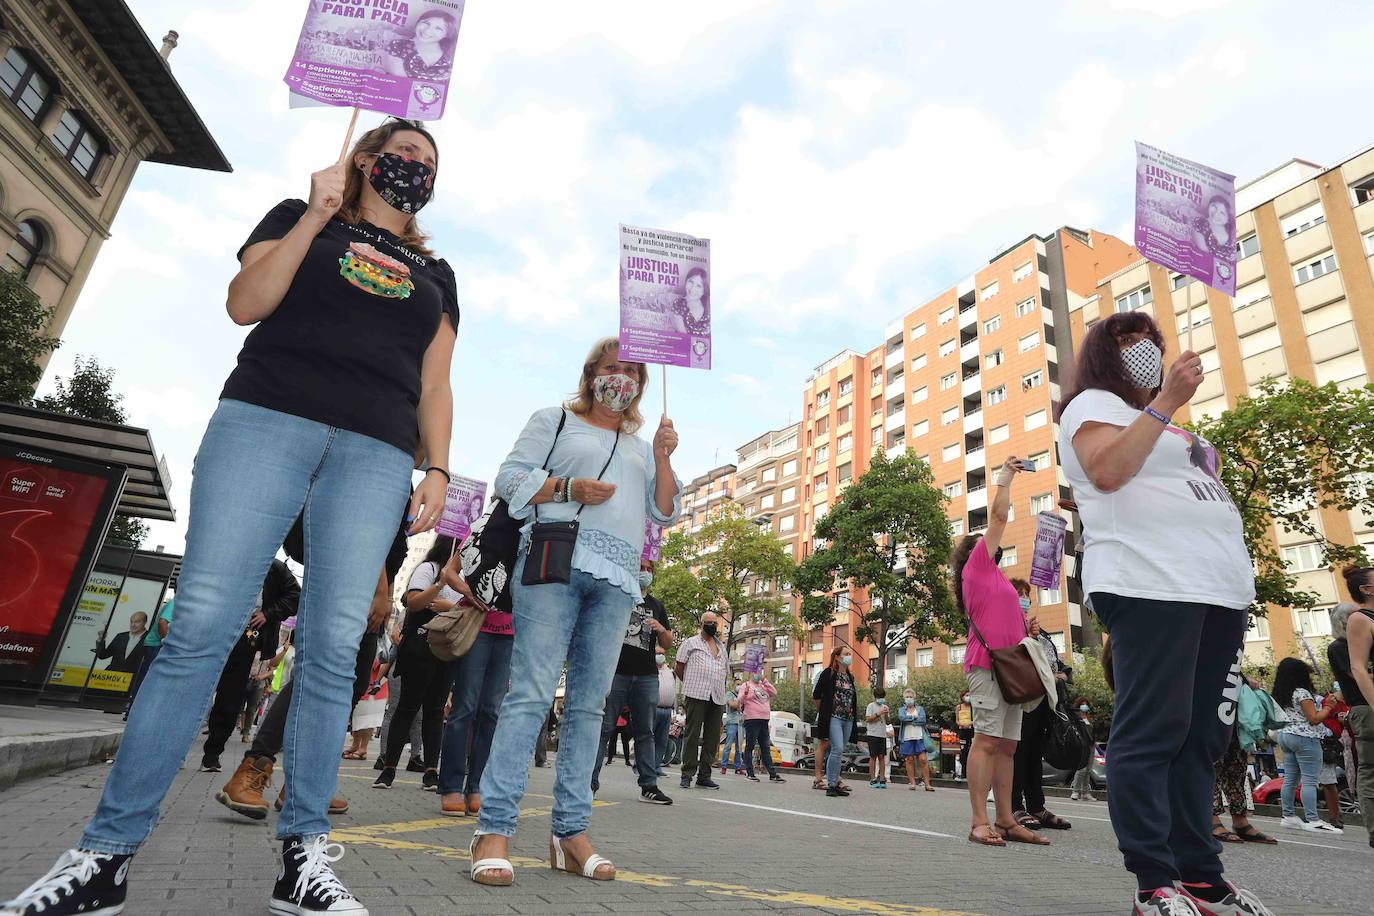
{"type": "Point", "coordinates": [370, 270]}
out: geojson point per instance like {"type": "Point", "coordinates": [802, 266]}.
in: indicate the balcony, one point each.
{"type": "Point", "coordinates": [896, 420]}
{"type": "Point", "coordinates": [897, 387]}
{"type": "Point", "coordinates": [973, 420]}
{"type": "Point", "coordinates": [968, 318]}
{"type": "Point", "coordinates": [969, 351]}
{"type": "Point", "coordinates": [973, 460]}
{"type": "Point", "coordinates": [977, 498]}
{"type": "Point", "coordinates": [894, 357]}
{"type": "Point", "coordinates": [896, 451]}
{"type": "Point", "coordinates": [1324, 289]}
{"type": "Point", "coordinates": [971, 385]}
{"type": "Point", "coordinates": [1310, 241]}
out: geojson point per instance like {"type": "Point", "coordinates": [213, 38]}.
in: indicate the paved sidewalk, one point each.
{"type": "Point", "coordinates": [749, 846]}
{"type": "Point", "coordinates": [37, 740]}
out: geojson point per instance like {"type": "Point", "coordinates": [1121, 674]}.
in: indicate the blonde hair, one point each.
{"type": "Point", "coordinates": [581, 403]}
{"type": "Point", "coordinates": [369, 144]}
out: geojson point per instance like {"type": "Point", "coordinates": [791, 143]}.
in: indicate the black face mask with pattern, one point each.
{"type": "Point", "coordinates": [402, 184]}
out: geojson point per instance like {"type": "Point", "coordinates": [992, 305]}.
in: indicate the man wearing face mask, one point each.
{"type": "Point", "coordinates": [703, 666]}
{"type": "Point", "coordinates": [636, 684]}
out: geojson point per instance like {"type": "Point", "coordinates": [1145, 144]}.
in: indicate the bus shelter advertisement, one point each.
{"type": "Point", "coordinates": [105, 637]}
{"type": "Point", "coordinates": [390, 56]}
{"type": "Point", "coordinates": [51, 512]}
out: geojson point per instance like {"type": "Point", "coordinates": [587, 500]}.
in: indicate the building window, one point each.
{"type": "Point", "coordinates": [993, 359]}
{"type": "Point", "coordinates": [1033, 380]}
{"type": "Point", "coordinates": [1306, 218]}
{"type": "Point", "coordinates": [949, 381]}
{"type": "Point", "coordinates": [779, 644]}
{"type": "Point", "coordinates": [956, 527]}
{"type": "Point", "coordinates": [760, 586]}
{"type": "Point", "coordinates": [997, 395]}
{"type": "Point", "coordinates": [789, 467]}
{"type": "Point", "coordinates": [1025, 308]}
{"type": "Point", "coordinates": [766, 502]}
{"type": "Point", "coordinates": [920, 394]}
{"type": "Point", "coordinates": [845, 473]}
{"type": "Point", "coordinates": [1247, 246]}
{"type": "Point", "coordinates": [842, 415]}
{"type": "Point", "coordinates": [25, 249]}
{"type": "Point", "coordinates": [989, 291]}
{"type": "Point", "coordinates": [949, 416]}
{"type": "Point", "coordinates": [946, 315]}
{"type": "Point", "coordinates": [1042, 461]}
{"type": "Point", "coordinates": [77, 142]}
{"type": "Point", "coordinates": [992, 324]}
{"type": "Point", "coordinates": [1008, 557]}
{"type": "Point", "coordinates": [1304, 558]}
{"type": "Point", "coordinates": [769, 475]}
{"type": "Point", "coordinates": [1048, 596]}
{"type": "Point", "coordinates": [920, 428]}
{"type": "Point", "coordinates": [1312, 621]}
{"type": "Point", "coordinates": [947, 347]}
{"type": "Point", "coordinates": [950, 452]}
{"type": "Point", "coordinates": [923, 658]}
{"type": "Point", "coordinates": [1369, 242]}
{"type": "Point", "coordinates": [822, 454]}
{"type": "Point", "coordinates": [956, 654]}
{"type": "Point", "coordinates": [1259, 629]}
{"type": "Point", "coordinates": [1029, 342]}
{"type": "Point", "coordinates": [918, 331]}
{"type": "Point", "coordinates": [1135, 299]}
{"type": "Point", "coordinates": [953, 489]}
{"type": "Point", "coordinates": [789, 495]}
{"type": "Point", "coordinates": [1040, 503]}
{"type": "Point", "coordinates": [1313, 269]}
{"type": "Point", "coordinates": [822, 426]}
{"type": "Point", "coordinates": [877, 435]}
{"type": "Point", "coordinates": [823, 400]}
{"type": "Point", "coordinates": [843, 602]}
{"type": "Point", "coordinates": [918, 362]}
{"type": "Point", "coordinates": [1035, 419]}
{"type": "Point", "coordinates": [24, 85]}
{"type": "Point", "coordinates": [822, 483]}
{"type": "Point", "coordinates": [1021, 273]}
{"type": "Point", "coordinates": [998, 434]}
{"type": "Point", "coordinates": [846, 386]}
{"type": "Point", "coordinates": [787, 523]}
{"type": "Point", "coordinates": [1178, 281]}
{"type": "Point", "coordinates": [877, 376]}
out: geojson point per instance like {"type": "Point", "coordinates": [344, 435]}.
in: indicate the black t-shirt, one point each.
{"type": "Point", "coordinates": [640, 645]}
{"type": "Point", "coordinates": [345, 345]}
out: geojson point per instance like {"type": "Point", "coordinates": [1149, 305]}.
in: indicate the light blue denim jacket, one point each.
{"type": "Point", "coordinates": [610, 538]}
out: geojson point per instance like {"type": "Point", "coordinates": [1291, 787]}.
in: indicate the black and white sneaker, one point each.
{"type": "Point", "coordinates": [209, 764]}
{"type": "Point", "coordinates": [653, 796]}
{"type": "Point", "coordinates": [430, 781]}
{"type": "Point", "coordinates": [80, 884]}
{"type": "Point", "coordinates": [307, 884]}
{"type": "Point", "coordinates": [385, 778]}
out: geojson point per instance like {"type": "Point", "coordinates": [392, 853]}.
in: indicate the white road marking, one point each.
{"type": "Point", "coordinates": [827, 817]}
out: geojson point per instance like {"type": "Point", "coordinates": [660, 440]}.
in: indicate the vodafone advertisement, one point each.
{"type": "Point", "coordinates": [53, 510]}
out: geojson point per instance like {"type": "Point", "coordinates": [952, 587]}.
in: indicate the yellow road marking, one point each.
{"type": "Point", "coordinates": [362, 836]}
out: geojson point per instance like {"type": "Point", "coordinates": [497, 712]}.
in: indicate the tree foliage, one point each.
{"type": "Point", "coordinates": [89, 393]}
{"type": "Point", "coordinates": [887, 534]}
{"type": "Point", "coordinates": [22, 341]}
{"type": "Point", "coordinates": [1293, 447]}
{"type": "Point", "coordinates": [712, 570]}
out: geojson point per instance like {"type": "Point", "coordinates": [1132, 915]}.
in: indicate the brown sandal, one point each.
{"type": "Point", "coordinates": [1020, 834]}
{"type": "Point", "coordinates": [989, 836]}
{"type": "Point", "coordinates": [1226, 836]}
{"type": "Point", "coordinates": [1051, 821]}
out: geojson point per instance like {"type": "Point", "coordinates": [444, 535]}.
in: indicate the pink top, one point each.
{"type": "Point", "coordinates": [993, 604]}
{"type": "Point", "coordinates": [753, 699]}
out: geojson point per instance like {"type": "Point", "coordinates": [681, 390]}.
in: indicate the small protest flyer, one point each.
{"type": "Point", "coordinates": [1185, 217]}
{"type": "Point", "coordinates": [665, 298]}
{"type": "Point", "coordinates": [753, 658]}
{"type": "Point", "coordinates": [391, 56]}
{"type": "Point", "coordinates": [462, 507]}
{"type": "Point", "coordinates": [1049, 550]}
{"type": "Point", "coordinates": [653, 541]}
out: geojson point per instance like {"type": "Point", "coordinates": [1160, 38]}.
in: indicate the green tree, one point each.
{"type": "Point", "coordinates": [887, 534]}
{"type": "Point", "coordinates": [712, 569]}
{"type": "Point", "coordinates": [89, 393]}
{"type": "Point", "coordinates": [1290, 448]}
{"type": "Point", "coordinates": [22, 341]}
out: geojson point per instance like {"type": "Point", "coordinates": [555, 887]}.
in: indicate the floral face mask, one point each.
{"type": "Point", "coordinates": [615, 392]}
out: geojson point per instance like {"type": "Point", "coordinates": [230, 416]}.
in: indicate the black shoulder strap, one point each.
{"type": "Point", "coordinates": [562, 421]}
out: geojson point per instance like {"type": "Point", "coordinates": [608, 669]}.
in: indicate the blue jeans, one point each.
{"type": "Point", "coordinates": [731, 749]}
{"type": "Point", "coordinates": [583, 622]}
{"type": "Point", "coordinates": [663, 719]}
{"type": "Point", "coordinates": [839, 737]}
{"type": "Point", "coordinates": [255, 472]}
{"type": "Point", "coordinates": [480, 679]}
{"type": "Point", "coordinates": [640, 693]}
{"type": "Point", "coordinates": [1302, 761]}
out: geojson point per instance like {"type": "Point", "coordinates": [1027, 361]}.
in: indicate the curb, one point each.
{"type": "Point", "coordinates": [31, 756]}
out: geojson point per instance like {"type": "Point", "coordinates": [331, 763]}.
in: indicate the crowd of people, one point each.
{"type": "Point", "coordinates": [346, 377]}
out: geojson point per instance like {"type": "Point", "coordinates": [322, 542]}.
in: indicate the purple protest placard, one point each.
{"type": "Point", "coordinates": [653, 542]}
{"type": "Point", "coordinates": [392, 56]}
{"type": "Point", "coordinates": [1049, 550]}
{"type": "Point", "coordinates": [462, 507]}
{"type": "Point", "coordinates": [753, 658]}
{"type": "Point", "coordinates": [1185, 217]}
{"type": "Point", "coordinates": [665, 298]}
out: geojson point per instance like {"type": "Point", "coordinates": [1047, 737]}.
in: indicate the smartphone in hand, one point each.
{"type": "Point", "coordinates": [1025, 464]}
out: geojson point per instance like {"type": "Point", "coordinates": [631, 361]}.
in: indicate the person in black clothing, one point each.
{"type": "Point", "coordinates": [836, 699]}
{"type": "Point", "coordinates": [635, 689]}
{"type": "Point", "coordinates": [281, 596]}
{"type": "Point", "coordinates": [1349, 656]}
{"type": "Point", "coordinates": [541, 745]}
{"type": "Point", "coordinates": [1027, 788]}
{"type": "Point", "coordinates": [425, 681]}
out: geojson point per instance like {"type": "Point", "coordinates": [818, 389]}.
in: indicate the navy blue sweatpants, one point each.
{"type": "Point", "coordinates": [1177, 667]}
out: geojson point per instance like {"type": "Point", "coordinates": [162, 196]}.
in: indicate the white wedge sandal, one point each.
{"type": "Point", "coordinates": [488, 871]}
{"type": "Point", "coordinates": [561, 860]}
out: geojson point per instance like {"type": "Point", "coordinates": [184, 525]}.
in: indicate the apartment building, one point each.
{"type": "Point", "coordinates": [1304, 307]}
{"type": "Point", "coordinates": [963, 381]}
{"type": "Point", "coordinates": [702, 495]}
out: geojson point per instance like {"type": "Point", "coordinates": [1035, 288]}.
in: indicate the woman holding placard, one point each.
{"type": "Point", "coordinates": [344, 376]}
{"type": "Point", "coordinates": [584, 482]}
{"type": "Point", "coordinates": [1169, 577]}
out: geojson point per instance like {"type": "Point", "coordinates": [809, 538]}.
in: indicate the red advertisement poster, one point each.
{"type": "Point", "coordinates": [46, 516]}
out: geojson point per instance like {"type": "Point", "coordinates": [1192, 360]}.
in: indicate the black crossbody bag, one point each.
{"type": "Point", "coordinates": [551, 543]}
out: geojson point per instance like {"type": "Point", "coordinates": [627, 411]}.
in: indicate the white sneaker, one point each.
{"type": "Point", "coordinates": [1073, 796]}
{"type": "Point", "coordinates": [1293, 822]}
{"type": "Point", "coordinates": [1320, 826]}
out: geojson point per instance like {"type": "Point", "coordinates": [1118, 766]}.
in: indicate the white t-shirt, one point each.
{"type": "Point", "coordinates": [878, 727]}
{"type": "Point", "coordinates": [1171, 533]}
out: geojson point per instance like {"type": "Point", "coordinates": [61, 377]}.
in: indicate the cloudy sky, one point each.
{"type": "Point", "coordinates": [848, 160]}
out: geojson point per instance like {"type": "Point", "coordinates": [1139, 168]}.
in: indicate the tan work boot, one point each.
{"type": "Point", "coordinates": [243, 792]}
{"type": "Point", "coordinates": [337, 805]}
